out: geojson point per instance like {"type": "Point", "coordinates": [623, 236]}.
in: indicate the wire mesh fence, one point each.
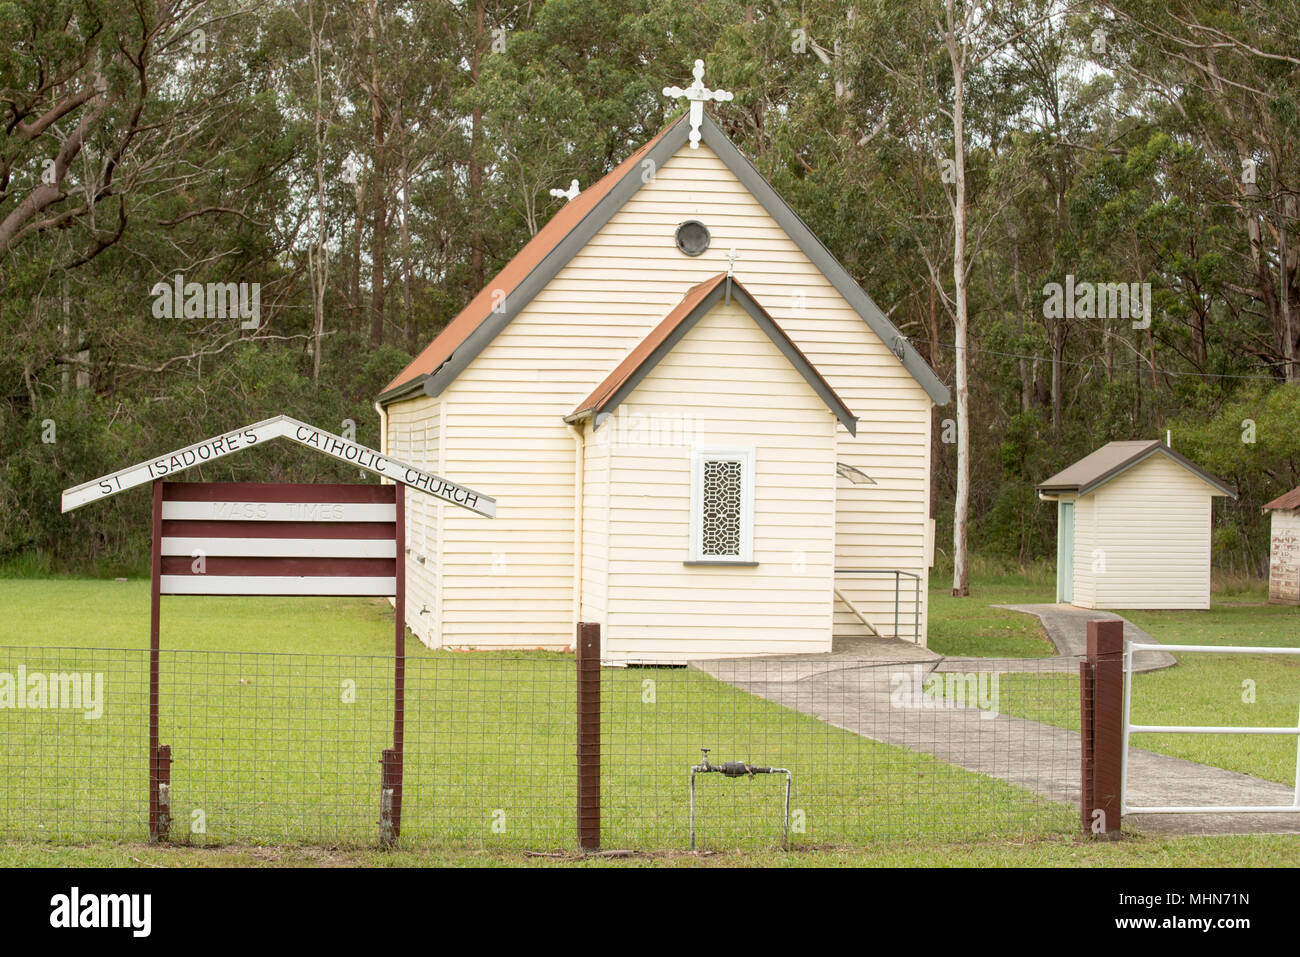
{"type": "Point", "coordinates": [75, 743]}
{"type": "Point", "coordinates": [875, 751]}
{"type": "Point", "coordinates": [285, 748]}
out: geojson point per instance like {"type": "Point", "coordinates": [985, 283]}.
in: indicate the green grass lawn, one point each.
{"type": "Point", "coordinates": [284, 768]}
{"type": "Point", "coordinates": [1265, 850]}
{"type": "Point", "coordinates": [973, 627]}
{"type": "Point", "coordinates": [267, 748]}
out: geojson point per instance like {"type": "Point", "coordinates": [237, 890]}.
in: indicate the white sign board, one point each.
{"type": "Point", "coordinates": [280, 427]}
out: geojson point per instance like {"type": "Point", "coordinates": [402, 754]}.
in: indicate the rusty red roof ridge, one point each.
{"type": "Point", "coordinates": [1287, 500]}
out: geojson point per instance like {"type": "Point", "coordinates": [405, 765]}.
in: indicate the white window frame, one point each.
{"type": "Point", "coordinates": [745, 456]}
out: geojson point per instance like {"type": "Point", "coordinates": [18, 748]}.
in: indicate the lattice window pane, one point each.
{"type": "Point", "coordinates": [722, 507]}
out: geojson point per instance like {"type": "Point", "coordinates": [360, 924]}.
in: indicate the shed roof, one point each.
{"type": "Point", "coordinates": [1115, 458]}
{"type": "Point", "coordinates": [568, 232]}
{"type": "Point", "coordinates": [1287, 500]}
{"type": "Point", "coordinates": [697, 302]}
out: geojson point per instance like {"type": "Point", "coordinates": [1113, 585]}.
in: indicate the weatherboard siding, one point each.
{"type": "Point", "coordinates": [504, 432]}
{"type": "Point", "coordinates": [745, 394]}
{"type": "Point", "coordinates": [413, 437]}
{"type": "Point", "coordinates": [595, 525]}
{"type": "Point", "coordinates": [1153, 532]}
{"type": "Point", "coordinates": [1085, 538]}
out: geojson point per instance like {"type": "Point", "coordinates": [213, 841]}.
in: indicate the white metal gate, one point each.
{"type": "Point", "coordinates": [1130, 728]}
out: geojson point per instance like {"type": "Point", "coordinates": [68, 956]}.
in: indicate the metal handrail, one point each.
{"type": "Point", "coordinates": [898, 574]}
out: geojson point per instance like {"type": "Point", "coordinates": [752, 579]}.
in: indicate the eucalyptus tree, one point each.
{"type": "Point", "coordinates": [1229, 74]}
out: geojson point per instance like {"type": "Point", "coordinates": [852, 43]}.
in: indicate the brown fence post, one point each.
{"type": "Point", "coordinates": [390, 780]}
{"type": "Point", "coordinates": [393, 769]}
{"type": "Point", "coordinates": [1103, 727]}
{"type": "Point", "coordinates": [155, 608]}
{"type": "Point", "coordinates": [1087, 695]}
{"type": "Point", "coordinates": [588, 654]}
{"type": "Point", "coordinates": [163, 795]}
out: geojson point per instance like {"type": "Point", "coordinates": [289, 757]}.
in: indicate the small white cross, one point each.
{"type": "Point", "coordinates": [569, 193]}
{"type": "Point", "coordinates": [698, 94]}
{"type": "Point", "coordinates": [732, 256]}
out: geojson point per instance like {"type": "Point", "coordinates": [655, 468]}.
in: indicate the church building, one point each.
{"type": "Point", "coordinates": [700, 432]}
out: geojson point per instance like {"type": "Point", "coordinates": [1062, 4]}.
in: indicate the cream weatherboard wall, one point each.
{"type": "Point", "coordinates": [1152, 533]}
{"type": "Point", "coordinates": [509, 582]}
{"type": "Point", "coordinates": [740, 392]}
{"type": "Point", "coordinates": [414, 435]}
{"type": "Point", "coordinates": [1085, 550]}
{"type": "Point", "coordinates": [596, 452]}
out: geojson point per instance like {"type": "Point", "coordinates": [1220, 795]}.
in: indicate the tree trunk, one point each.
{"type": "Point", "coordinates": [1057, 337]}
{"type": "Point", "coordinates": [475, 169]}
{"type": "Point", "coordinates": [318, 263]}
{"type": "Point", "coordinates": [1026, 385]}
{"type": "Point", "coordinates": [408, 320]}
{"type": "Point", "coordinates": [379, 185]}
{"type": "Point", "coordinates": [1290, 353]}
{"type": "Point", "coordinates": [961, 504]}
{"type": "Point", "coordinates": [356, 255]}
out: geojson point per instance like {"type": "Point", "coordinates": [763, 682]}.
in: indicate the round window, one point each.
{"type": "Point", "coordinates": [692, 237]}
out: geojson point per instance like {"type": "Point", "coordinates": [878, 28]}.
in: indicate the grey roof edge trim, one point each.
{"type": "Point", "coordinates": [560, 255]}
{"type": "Point", "coordinates": [823, 259]}
{"type": "Point", "coordinates": [1135, 460]}
{"type": "Point", "coordinates": [769, 327]}
{"type": "Point", "coordinates": [393, 395]}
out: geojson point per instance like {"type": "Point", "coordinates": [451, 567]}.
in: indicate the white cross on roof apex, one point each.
{"type": "Point", "coordinates": [569, 193]}
{"type": "Point", "coordinates": [698, 94]}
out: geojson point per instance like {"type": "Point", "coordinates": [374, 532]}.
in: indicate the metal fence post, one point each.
{"type": "Point", "coordinates": [1102, 728]}
{"type": "Point", "coordinates": [588, 708]}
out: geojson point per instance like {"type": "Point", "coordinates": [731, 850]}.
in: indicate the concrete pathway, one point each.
{"type": "Point", "coordinates": [1067, 627]}
{"type": "Point", "coordinates": [854, 693]}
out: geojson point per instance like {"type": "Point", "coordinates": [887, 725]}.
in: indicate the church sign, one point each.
{"type": "Point", "coordinates": [254, 538]}
{"type": "Point", "coordinates": [282, 426]}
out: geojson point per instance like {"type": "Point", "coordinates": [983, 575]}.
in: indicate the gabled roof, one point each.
{"type": "Point", "coordinates": [661, 340]}
{"type": "Point", "coordinates": [1287, 500]}
{"type": "Point", "coordinates": [573, 226]}
{"type": "Point", "coordinates": [1115, 458]}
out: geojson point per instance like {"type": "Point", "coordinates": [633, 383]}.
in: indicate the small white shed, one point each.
{"type": "Point", "coordinates": [1133, 528]}
{"type": "Point", "coordinates": [1284, 549]}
